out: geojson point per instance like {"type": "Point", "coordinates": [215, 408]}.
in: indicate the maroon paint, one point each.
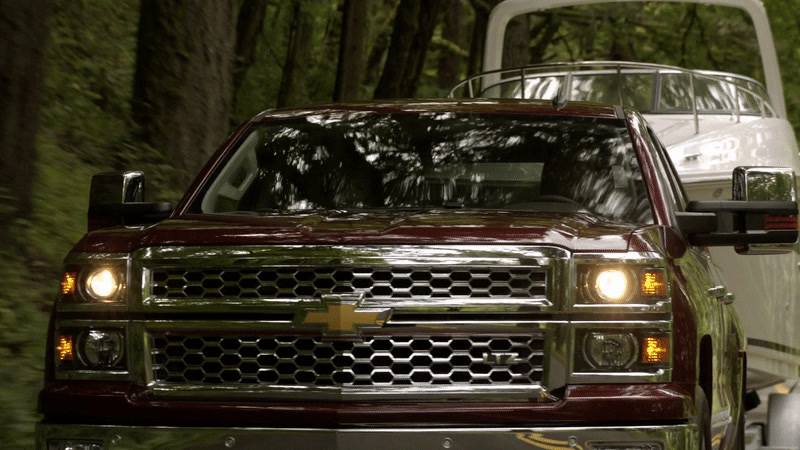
{"type": "Point", "coordinates": [122, 402]}
{"type": "Point", "coordinates": [577, 232]}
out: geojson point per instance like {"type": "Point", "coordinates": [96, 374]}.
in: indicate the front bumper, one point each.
{"type": "Point", "coordinates": [683, 436]}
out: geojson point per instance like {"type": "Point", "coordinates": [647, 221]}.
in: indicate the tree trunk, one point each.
{"type": "Point", "coordinates": [403, 32]}
{"type": "Point", "coordinates": [298, 56]}
{"type": "Point", "coordinates": [412, 33]}
{"type": "Point", "coordinates": [24, 30]}
{"type": "Point", "coordinates": [429, 16]}
{"type": "Point", "coordinates": [481, 9]}
{"type": "Point", "coordinates": [545, 33]}
{"type": "Point", "coordinates": [516, 42]}
{"type": "Point", "coordinates": [381, 37]}
{"type": "Point", "coordinates": [183, 83]}
{"type": "Point", "coordinates": [449, 71]}
{"type": "Point", "coordinates": [351, 50]}
{"type": "Point", "coordinates": [249, 26]}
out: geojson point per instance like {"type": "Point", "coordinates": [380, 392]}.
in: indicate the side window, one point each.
{"type": "Point", "coordinates": [665, 164]}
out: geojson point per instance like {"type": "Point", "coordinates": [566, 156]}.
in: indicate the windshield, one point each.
{"type": "Point", "coordinates": [367, 160]}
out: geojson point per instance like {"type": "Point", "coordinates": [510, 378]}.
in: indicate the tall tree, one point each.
{"type": "Point", "coordinates": [450, 59]}
{"type": "Point", "coordinates": [481, 10]}
{"type": "Point", "coordinates": [249, 26]}
{"type": "Point", "coordinates": [24, 30]}
{"type": "Point", "coordinates": [351, 50]}
{"type": "Point", "coordinates": [412, 33]}
{"type": "Point", "coordinates": [381, 14]}
{"type": "Point", "coordinates": [183, 82]}
{"type": "Point", "coordinates": [516, 43]}
{"type": "Point", "coordinates": [298, 55]}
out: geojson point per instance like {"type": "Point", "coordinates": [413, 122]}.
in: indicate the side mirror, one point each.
{"type": "Point", "coordinates": [766, 184]}
{"type": "Point", "coordinates": [761, 219]}
{"type": "Point", "coordinates": [117, 198]}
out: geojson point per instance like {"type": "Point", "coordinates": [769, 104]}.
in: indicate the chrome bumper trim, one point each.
{"type": "Point", "coordinates": [566, 438]}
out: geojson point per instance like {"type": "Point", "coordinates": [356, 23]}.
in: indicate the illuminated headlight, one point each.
{"type": "Point", "coordinates": [102, 284]}
{"type": "Point", "coordinates": [622, 285]}
{"type": "Point", "coordinates": [98, 282]}
{"type": "Point", "coordinates": [612, 285]}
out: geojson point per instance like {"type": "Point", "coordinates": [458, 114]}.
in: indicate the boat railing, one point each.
{"type": "Point", "coordinates": [648, 88]}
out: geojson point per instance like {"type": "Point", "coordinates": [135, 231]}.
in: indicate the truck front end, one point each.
{"type": "Point", "coordinates": [471, 279]}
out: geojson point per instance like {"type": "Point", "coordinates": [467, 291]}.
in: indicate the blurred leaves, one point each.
{"type": "Point", "coordinates": [85, 124]}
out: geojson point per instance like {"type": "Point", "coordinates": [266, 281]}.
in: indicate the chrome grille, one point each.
{"type": "Point", "coordinates": [373, 282]}
{"type": "Point", "coordinates": [372, 361]}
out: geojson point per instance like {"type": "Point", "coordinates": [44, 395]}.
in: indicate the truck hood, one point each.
{"type": "Point", "coordinates": [572, 231]}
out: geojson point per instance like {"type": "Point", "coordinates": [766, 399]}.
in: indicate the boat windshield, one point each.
{"type": "Point", "coordinates": [369, 160]}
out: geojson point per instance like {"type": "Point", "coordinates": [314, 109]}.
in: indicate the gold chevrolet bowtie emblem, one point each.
{"type": "Point", "coordinates": [343, 316]}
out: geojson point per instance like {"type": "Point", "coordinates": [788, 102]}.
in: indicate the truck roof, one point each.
{"type": "Point", "coordinates": [483, 106]}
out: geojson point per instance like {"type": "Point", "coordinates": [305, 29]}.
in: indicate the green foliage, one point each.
{"type": "Point", "coordinates": [84, 118]}
{"type": "Point", "coordinates": [85, 124]}
{"type": "Point", "coordinates": [785, 23]}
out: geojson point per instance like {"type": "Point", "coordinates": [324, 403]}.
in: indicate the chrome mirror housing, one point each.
{"type": "Point", "coordinates": [117, 198]}
{"type": "Point", "coordinates": [116, 187]}
{"type": "Point", "coordinates": [764, 184]}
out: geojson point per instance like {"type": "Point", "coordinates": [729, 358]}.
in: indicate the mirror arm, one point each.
{"type": "Point", "coordinates": [696, 222]}
{"type": "Point", "coordinates": [737, 223]}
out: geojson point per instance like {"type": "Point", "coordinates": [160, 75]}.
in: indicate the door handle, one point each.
{"type": "Point", "coordinates": [722, 294]}
{"type": "Point", "coordinates": [729, 298]}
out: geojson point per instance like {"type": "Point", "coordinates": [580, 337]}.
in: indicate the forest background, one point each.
{"type": "Point", "coordinates": [88, 86]}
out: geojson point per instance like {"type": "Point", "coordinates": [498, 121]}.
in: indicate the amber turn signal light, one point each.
{"type": "Point", "coordinates": [655, 350]}
{"type": "Point", "coordinates": [65, 348]}
{"type": "Point", "coordinates": [653, 283]}
{"type": "Point", "coordinates": [68, 283]}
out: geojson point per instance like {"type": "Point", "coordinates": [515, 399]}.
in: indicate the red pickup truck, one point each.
{"type": "Point", "coordinates": [431, 274]}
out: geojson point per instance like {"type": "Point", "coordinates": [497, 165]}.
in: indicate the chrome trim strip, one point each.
{"type": "Point", "coordinates": [523, 393]}
{"type": "Point", "coordinates": [550, 259]}
{"type": "Point", "coordinates": [658, 376]}
{"type": "Point", "coordinates": [681, 437]}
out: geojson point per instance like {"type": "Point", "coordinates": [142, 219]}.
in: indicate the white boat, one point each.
{"type": "Point", "coordinates": [710, 123]}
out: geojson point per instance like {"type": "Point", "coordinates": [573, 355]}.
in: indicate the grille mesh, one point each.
{"type": "Point", "coordinates": [373, 282]}
{"type": "Point", "coordinates": [373, 361]}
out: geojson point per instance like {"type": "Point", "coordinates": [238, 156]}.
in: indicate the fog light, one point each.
{"type": "Point", "coordinates": [73, 444]}
{"type": "Point", "coordinates": [609, 350]}
{"type": "Point", "coordinates": [102, 349]}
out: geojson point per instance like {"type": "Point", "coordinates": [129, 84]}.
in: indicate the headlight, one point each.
{"type": "Point", "coordinates": [90, 349]}
{"type": "Point", "coordinates": [94, 279]}
{"type": "Point", "coordinates": [102, 349]}
{"type": "Point", "coordinates": [622, 284]}
{"type": "Point", "coordinates": [612, 285]}
{"type": "Point", "coordinates": [102, 284]}
{"type": "Point", "coordinates": [608, 351]}
{"type": "Point", "coordinates": [622, 350]}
